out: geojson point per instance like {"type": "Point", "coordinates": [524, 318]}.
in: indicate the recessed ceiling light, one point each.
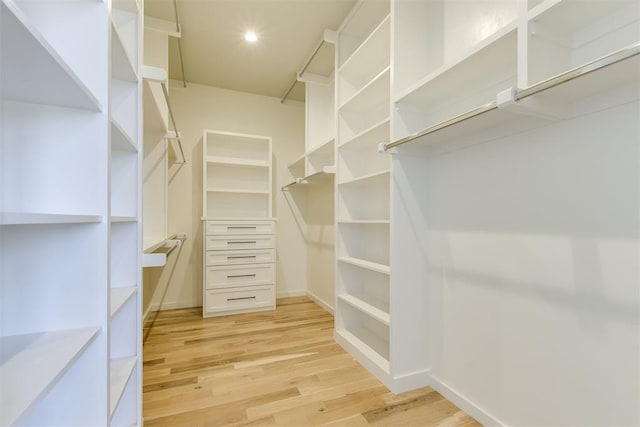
{"type": "Point", "coordinates": [250, 36]}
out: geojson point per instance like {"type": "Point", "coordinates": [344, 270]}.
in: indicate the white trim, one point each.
{"type": "Point", "coordinates": [479, 414]}
{"type": "Point", "coordinates": [289, 294]}
{"type": "Point", "coordinates": [172, 306]}
{"type": "Point", "coordinates": [320, 302]}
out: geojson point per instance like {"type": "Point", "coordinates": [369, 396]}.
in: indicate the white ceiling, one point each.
{"type": "Point", "coordinates": [216, 54]}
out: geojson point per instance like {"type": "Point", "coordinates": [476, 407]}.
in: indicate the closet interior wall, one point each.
{"type": "Point", "coordinates": [198, 107]}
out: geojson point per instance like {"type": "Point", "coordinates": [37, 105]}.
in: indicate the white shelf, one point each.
{"type": "Point", "coordinates": [120, 372]}
{"type": "Point", "coordinates": [369, 179]}
{"type": "Point", "coordinates": [32, 71]}
{"type": "Point", "coordinates": [237, 162]}
{"type": "Point", "coordinates": [373, 266]}
{"type": "Point", "coordinates": [491, 62]}
{"type": "Point", "coordinates": [122, 65]}
{"type": "Point", "coordinates": [119, 297]}
{"type": "Point", "coordinates": [374, 93]}
{"type": "Point", "coordinates": [33, 363]}
{"type": "Point", "coordinates": [327, 172]}
{"type": "Point", "coordinates": [368, 138]}
{"type": "Point", "coordinates": [368, 309]}
{"type": "Point", "coordinates": [120, 140]}
{"type": "Point", "coordinates": [323, 150]}
{"type": "Point", "coordinates": [358, 338]}
{"type": "Point", "coordinates": [126, 5]}
{"type": "Point", "coordinates": [234, 190]}
{"type": "Point", "coordinates": [19, 218]}
{"type": "Point", "coordinates": [538, 110]}
{"type": "Point", "coordinates": [367, 61]}
{"type": "Point", "coordinates": [115, 218]}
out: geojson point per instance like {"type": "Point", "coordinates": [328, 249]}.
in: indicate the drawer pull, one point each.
{"type": "Point", "coordinates": [241, 227]}
{"type": "Point", "coordinates": [242, 257]}
{"type": "Point", "coordinates": [240, 298]}
{"type": "Point", "coordinates": [236, 276]}
{"type": "Point", "coordinates": [242, 242]}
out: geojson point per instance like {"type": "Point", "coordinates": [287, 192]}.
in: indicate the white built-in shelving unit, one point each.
{"type": "Point", "coordinates": [239, 228]}
{"type": "Point", "coordinates": [365, 287]}
{"type": "Point", "coordinates": [317, 163]}
{"type": "Point", "coordinates": [404, 73]}
{"type": "Point", "coordinates": [70, 217]}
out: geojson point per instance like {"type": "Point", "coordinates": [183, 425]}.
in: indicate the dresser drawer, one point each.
{"type": "Point", "coordinates": [240, 257]}
{"type": "Point", "coordinates": [241, 275]}
{"type": "Point", "coordinates": [214, 243]}
{"type": "Point", "coordinates": [240, 227]}
{"type": "Point", "coordinates": [229, 300]}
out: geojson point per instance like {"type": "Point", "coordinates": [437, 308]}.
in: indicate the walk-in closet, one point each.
{"type": "Point", "coordinates": [320, 212]}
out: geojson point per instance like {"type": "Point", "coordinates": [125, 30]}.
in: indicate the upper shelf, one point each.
{"type": "Point", "coordinates": [617, 75]}
{"type": "Point", "coordinates": [122, 62]}
{"type": "Point", "coordinates": [232, 161]}
{"type": "Point", "coordinates": [494, 58]}
{"type": "Point", "coordinates": [316, 177]}
{"type": "Point", "coordinates": [32, 70]}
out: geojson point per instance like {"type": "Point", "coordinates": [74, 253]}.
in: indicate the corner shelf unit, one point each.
{"type": "Point", "coordinates": [70, 97]}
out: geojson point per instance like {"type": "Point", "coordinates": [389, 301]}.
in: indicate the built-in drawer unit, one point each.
{"type": "Point", "coordinates": [239, 266]}
{"type": "Point", "coordinates": [256, 241]}
{"type": "Point", "coordinates": [219, 302]}
{"type": "Point", "coordinates": [240, 275]}
{"type": "Point", "coordinates": [240, 227]}
{"type": "Point", "coordinates": [258, 256]}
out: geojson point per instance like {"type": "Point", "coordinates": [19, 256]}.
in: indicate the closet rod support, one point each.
{"type": "Point", "coordinates": [603, 62]}
{"type": "Point", "coordinates": [175, 11]}
{"type": "Point", "coordinates": [304, 68]}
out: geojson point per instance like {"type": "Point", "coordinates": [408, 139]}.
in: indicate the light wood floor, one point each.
{"type": "Point", "coordinates": [271, 368]}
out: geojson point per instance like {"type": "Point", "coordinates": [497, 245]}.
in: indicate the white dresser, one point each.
{"type": "Point", "coordinates": [239, 242]}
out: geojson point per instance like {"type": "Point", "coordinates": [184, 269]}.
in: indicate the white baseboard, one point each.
{"type": "Point", "coordinates": [479, 414]}
{"type": "Point", "coordinates": [322, 303]}
{"type": "Point", "coordinates": [171, 306]}
{"type": "Point", "coordinates": [289, 294]}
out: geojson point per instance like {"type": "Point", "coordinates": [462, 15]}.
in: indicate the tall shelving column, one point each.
{"type": "Point", "coordinates": [363, 183]}
{"type": "Point", "coordinates": [125, 114]}
{"type": "Point", "coordinates": [54, 211]}
{"type": "Point", "coordinates": [239, 229]}
{"type": "Point", "coordinates": [70, 213]}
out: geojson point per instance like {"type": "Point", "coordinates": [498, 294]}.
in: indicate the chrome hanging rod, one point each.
{"type": "Point", "coordinates": [173, 122]}
{"type": "Point", "coordinates": [605, 61]}
{"type": "Point", "coordinates": [175, 11]}
{"type": "Point", "coordinates": [306, 65]}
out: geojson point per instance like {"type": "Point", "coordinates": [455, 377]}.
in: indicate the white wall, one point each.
{"type": "Point", "coordinates": [532, 252]}
{"type": "Point", "coordinates": [320, 243]}
{"type": "Point", "coordinates": [198, 107]}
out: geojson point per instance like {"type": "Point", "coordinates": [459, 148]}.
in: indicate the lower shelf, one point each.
{"type": "Point", "coordinates": [121, 370]}
{"type": "Point", "coordinates": [364, 342]}
{"type": "Point", "coordinates": [45, 356]}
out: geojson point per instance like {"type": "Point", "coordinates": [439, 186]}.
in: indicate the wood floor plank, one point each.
{"type": "Point", "coordinates": [279, 367]}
